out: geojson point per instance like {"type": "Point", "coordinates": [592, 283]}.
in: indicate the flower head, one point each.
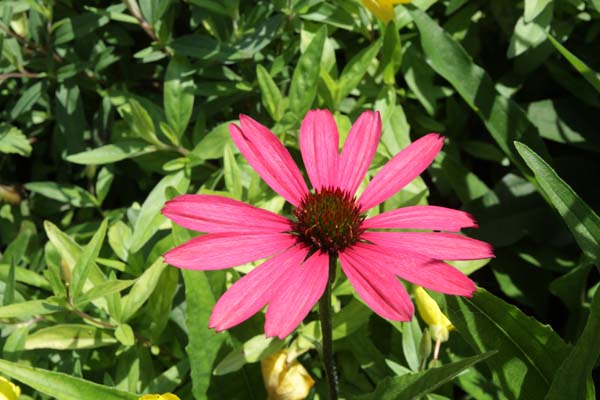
{"type": "Point", "coordinates": [285, 380]}
{"type": "Point", "coordinates": [383, 9]}
{"type": "Point", "coordinates": [8, 390]}
{"type": "Point", "coordinates": [329, 221]}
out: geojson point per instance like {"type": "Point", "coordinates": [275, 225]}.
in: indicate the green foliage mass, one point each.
{"type": "Point", "coordinates": [108, 109]}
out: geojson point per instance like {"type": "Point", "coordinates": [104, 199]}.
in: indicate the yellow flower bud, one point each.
{"type": "Point", "coordinates": [165, 396]}
{"type": "Point", "coordinates": [285, 380]}
{"type": "Point", "coordinates": [8, 390]}
{"type": "Point", "coordinates": [439, 325]}
{"type": "Point", "coordinates": [383, 9]}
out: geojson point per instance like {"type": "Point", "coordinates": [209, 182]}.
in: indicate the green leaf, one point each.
{"type": "Point", "coordinates": [27, 100]}
{"type": "Point", "coordinates": [303, 88]}
{"type": "Point", "coordinates": [142, 289]}
{"type": "Point", "coordinates": [141, 123]}
{"type": "Point", "coordinates": [64, 193]}
{"type": "Point", "coordinates": [124, 334]}
{"type": "Point", "coordinates": [111, 153]}
{"type": "Point", "coordinates": [570, 380]}
{"type": "Point", "coordinates": [103, 289]}
{"type": "Point", "coordinates": [529, 35]}
{"type": "Point", "coordinates": [25, 276]}
{"type": "Point", "coordinates": [61, 386]}
{"type": "Point", "coordinates": [68, 29]}
{"type": "Point", "coordinates": [149, 220]}
{"type": "Point", "coordinates": [12, 140]}
{"type": "Point", "coordinates": [69, 336]}
{"type": "Point", "coordinates": [355, 70]}
{"type": "Point", "coordinates": [533, 8]}
{"type": "Point", "coordinates": [579, 217]}
{"type": "Point", "coordinates": [270, 94]}
{"type": "Point", "coordinates": [9, 288]}
{"type": "Point", "coordinates": [88, 256]}
{"type": "Point", "coordinates": [232, 174]}
{"type": "Point", "coordinates": [503, 118]}
{"type": "Point", "coordinates": [588, 74]}
{"type": "Point", "coordinates": [529, 353]}
{"type": "Point", "coordinates": [179, 94]}
{"type": "Point", "coordinates": [414, 386]}
{"type": "Point", "coordinates": [251, 351]}
{"type": "Point", "coordinates": [119, 238]}
{"type": "Point", "coordinates": [212, 146]}
{"type": "Point", "coordinates": [30, 308]}
{"type": "Point", "coordinates": [392, 54]}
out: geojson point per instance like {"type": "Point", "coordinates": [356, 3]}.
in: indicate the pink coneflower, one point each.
{"type": "Point", "coordinates": [327, 222]}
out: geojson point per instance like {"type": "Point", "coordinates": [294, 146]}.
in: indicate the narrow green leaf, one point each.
{"type": "Point", "coordinates": [103, 289]}
{"type": "Point", "coordinates": [30, 308]}
{"type": "Point", "coordinates": [251, 351]}
{"type": "Point", "coordinates": [61, 386]}
{"type": "Point", "coordinates": [141, 123]}
{"type": "Point", "coordinates": [149, 220]}
{"type": "Point", "coordinates": [211, 146]}
{"type": "Point", "coordinates": [303, 88]}
{"type": "Point", "coordinates": [414, 386]}
{"type": "Point", "coordinates": [9, 289]}
{"type": "Point", "coordinates": [64, 193]}
{"type": "Point", "coordinates": [12, 140]}
{"type": "Point", "coordinates": [27, 100]}
{"type": "Point", "coordinates": [68, 29]}
{"type": "Point", "coordinates": [579, 217]}
{"type": "Point", "coordinates": [232, 174]}
{"type": "Point", "coordinates": [356, 69]}
{"type": "Point", "coordinates": [588, 74]}
{"type": "Point", "coordinates": [84, 263]}
{"type": "Point", "coordinates": [391, 54]}
{"type": "Point", "coordinates": [529, 353]}
{"type": "Point", "coordinates": [533, 8]}
{"type": "Point", "coordinates": [124, 334]}
{"type": "Point", "coordinates": [142, 289]}
{"type": "Point", "coordinates": [69, 336]}
{"type": "Point", "coordinates": [503, 118]}
{"type": "Point", "coordinates": [25, 276]}
{"type": "Point", "coordinates": [179, 94]}
{"type": "Point", "coordinates": [570, 380]}
{"type": "Point", "coordinates": [111, 153]}
{"type": "Point", "coordinates": [270, 94]}
{"type": "Point", "coordinates": [119, 237]}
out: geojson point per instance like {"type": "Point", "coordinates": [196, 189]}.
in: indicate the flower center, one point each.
{"type": "Point", "coordinates": [328, 220]}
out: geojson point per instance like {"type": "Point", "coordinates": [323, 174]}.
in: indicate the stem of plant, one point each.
{"type": "Point", "coordinates": [326, 332]}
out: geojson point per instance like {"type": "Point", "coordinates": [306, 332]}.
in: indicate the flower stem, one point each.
{"type": "Point", "coordinates": [326, 332]}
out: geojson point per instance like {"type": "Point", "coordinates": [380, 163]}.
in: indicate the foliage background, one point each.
{"type": "Point", "coordinates": [109, 108]}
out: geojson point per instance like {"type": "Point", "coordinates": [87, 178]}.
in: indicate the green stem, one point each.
{"type": "Point", "coordinates": [326, 331]}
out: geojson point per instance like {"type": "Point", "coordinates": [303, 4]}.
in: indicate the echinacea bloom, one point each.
{"type": "Point", "coordinates": [8, 390]}
{"type": "Point", "coordinates": [285, 380]}
{"type": "Point", "coordinates": [327, 222]}
{"type": "Point", "coordinates": [383, 9]}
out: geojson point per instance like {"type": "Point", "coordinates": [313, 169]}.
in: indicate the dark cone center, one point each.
{"type": "Point", "coordinates": [328, 220]}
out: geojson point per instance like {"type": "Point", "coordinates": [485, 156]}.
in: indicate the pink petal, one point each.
{"type": "Point", "coordinates": [249, 294]}
{"type": "Point", "coordinates": [319, 140]}
{"type": "Point", "coordinates": [432, 274]}
{"type": "Point", "coordinates": [224, 250]}
{"type": "Point", "coordinates": [300, 290]}
{"type": "Point", "coordinates": [400, 170]}
{"type": "Point", "coordinates": [421, 217]}
{"type": "Point", "coordinates": [379, 288]}
{"type": "Point", "coordinates": [216, 214]}
{"type": "Point", "coordinates": [358, 151]}
{"type": "Point", "coordinates": [265, 153]}
{"type": "Point", "coordinates": [441, 246]}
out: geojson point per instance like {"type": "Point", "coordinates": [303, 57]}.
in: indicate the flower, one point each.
{"type": "Point", "coordinates": [327, 222]}
{"type": "Point", "coordinates": [165, 396]}
{"type": "Point", "coordinates": [439, 325]}
{"type": "Point", "coordinates": [8, 390]}
{"type": "Point", "coordinates": [383, 9]}
{"type": "Point", "coordinates": [285, 380]}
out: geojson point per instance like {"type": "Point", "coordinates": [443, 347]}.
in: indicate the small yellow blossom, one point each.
{"type": "Point", "coordinates": [383, 9]}
{"type": "Point", "coordinates": [165, 396]}
{"type": "Point", "coordinates": [439, 325]}
{"type": "Point", "coordinates": [285, 380]}
{"type": "Point", "coordinates": [8, 390]}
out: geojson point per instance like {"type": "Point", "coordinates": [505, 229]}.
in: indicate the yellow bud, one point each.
{"type": "Point", "coordinates": [8, 390]}
{"type": "Point", "coordinates": [383, 9]}
{"type": "Point", "coordinates": [285, 380]}
{"type": "Point", "coordinates": [165, 396]}
{"type": "Point", "coordinates": [439, 325]}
